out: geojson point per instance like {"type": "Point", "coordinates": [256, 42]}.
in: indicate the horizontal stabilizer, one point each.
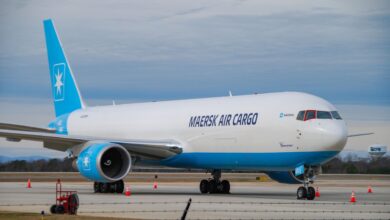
{"type": "Point", "coordinates": [361, 134]}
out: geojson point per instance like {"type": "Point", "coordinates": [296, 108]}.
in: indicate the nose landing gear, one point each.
{"type": "Point", "coordinates": [306, 191]}
{"type": "Point", "coordinates": [215, 185]}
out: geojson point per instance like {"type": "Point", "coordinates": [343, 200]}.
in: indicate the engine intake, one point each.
{"type": "Point", "coordinates": [104, 162]}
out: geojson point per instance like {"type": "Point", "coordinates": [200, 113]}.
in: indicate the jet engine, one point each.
{"type": "Point", "coordinates": [104, 162]}
{"type": "Point", "coordinates": [285, 177]}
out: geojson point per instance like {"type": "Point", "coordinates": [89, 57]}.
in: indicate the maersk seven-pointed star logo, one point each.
{"type": "Point", "coordinates": [59, 81]}
{"type": "Point", "coordinates": [86, 162]}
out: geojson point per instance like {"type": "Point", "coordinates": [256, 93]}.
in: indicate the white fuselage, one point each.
{"type": "Point", "coordinates": [276, 129]}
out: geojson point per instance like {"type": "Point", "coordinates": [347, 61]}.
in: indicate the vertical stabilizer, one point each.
{"type": "Point", "coordinates": [66, 95]}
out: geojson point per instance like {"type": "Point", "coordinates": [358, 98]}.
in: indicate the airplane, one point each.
{"type": "Point", "coordinates": [287, 135]}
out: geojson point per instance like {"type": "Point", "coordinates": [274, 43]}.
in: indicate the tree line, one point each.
{"type": "Point", "coordinates": [361, 166]}
{"type": "Point", "coordinates": [336, 166]}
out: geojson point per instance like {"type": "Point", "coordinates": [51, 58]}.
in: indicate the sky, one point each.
{"type": "Point", "coordinates": [133, 51]}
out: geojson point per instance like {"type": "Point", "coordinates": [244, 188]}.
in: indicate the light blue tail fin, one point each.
{"type": "Point", "coordinates": [66, 95]}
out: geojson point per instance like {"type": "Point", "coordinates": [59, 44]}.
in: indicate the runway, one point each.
{"type": "Point", "coordinates": [248, 200]}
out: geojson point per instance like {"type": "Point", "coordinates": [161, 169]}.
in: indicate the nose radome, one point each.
{"type": "Point", "coordinates": [335, 135]}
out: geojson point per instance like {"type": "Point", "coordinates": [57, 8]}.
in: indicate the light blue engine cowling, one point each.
{"type": "Point", "coordinates": [285, 177]}
{"type": "Point", "coordinates": [104, 162]}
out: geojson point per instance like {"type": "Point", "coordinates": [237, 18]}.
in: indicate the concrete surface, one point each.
{"type": "Point", "coordinates": [248, 200]}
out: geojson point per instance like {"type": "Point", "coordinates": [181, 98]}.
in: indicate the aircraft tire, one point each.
{"type": "Point", "coordinates": [212, 186]}
{"type": "Point", "coordinates": [96, 187]}
{"type": "Point", "coordinates": [104, 187]}
{"type": "Point", "coordinates": [311, 193]}
{"type": "Point", "coordinates": [203, 186]}
{"type": "Point", "coordinates": [120, 186]}
{"type": "Point", "coordinates": [301, 193]}
{"type": "Point", "coordinates": [225, 186]}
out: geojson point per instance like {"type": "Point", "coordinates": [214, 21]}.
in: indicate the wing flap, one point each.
{"type": "Point", "coordinates": [143, 148]}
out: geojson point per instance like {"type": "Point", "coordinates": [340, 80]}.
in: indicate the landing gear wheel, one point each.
{"type": "Point", "coordinates": [219, 188]}
{"type": "Point", "coordinates": [104, 187]}
{"type": "Point", "coordinates": [120, 186]}
{"type": "Point", "coordinates": [96, 187]}
{"type": "Point", "coordinates": [115, 187]}
{"type": "Point", "coordinates": [225, 186]}
{"type": "Point", "coordinates": [311, 193]}
{"type": "Point", "coordinates": [301, 193]}
{"type": "Point", "coordinates": [53, 209]}
{"type": "Point", "coordinates": [112, 188]}
{"type": "Point", "coordinates": [203, 186]}
{"type": "Point", "coordinates": [212, 186]}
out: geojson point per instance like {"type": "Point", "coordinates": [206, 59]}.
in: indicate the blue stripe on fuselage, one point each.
{"type": "Point", "coordinates": [249, 161]}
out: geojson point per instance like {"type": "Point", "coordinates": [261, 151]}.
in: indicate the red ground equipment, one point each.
{"type": "Point", "coordinates": [66, 201]}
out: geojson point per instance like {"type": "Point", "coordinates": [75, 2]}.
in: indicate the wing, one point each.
{"type": "Point", "coordinates": [143, 148]}
{"type": "Point", "coordinates": [25, 128]}
{"type": "Point", "coordinates": [361, 134]}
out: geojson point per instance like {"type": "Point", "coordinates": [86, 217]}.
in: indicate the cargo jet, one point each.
{"type": "Point", "coordinates": [287, 135]}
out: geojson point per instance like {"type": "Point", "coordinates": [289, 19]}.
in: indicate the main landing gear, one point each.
{"type": "Point", "coordinates": [115, 187]}
{"type": "Point", "coordinates": [215, 185]}
{"type": "Point", "coordinates": [306, 191]}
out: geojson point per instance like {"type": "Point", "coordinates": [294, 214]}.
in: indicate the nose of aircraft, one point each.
{"type": "Point", "coordinates": [334, 134]}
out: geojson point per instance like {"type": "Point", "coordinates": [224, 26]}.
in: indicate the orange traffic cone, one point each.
{"type": "Point", "coordinates": [353, 198]}
{"type": "Point", "coordinates": [155, 185]}
{"type": "Point", "coordinates": [28, 183]}
{"type": "Point", "coordinates": [127, 192]}
{"type": "Point", "coordinates": [369, 189]}
{"type": "Point", "coordinates": [318, 192]}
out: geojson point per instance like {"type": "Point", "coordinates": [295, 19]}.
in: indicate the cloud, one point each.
{"type": "Point", "coordinates": [185, 49]}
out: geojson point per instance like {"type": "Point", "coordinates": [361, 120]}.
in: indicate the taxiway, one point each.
{"type": "Point", "coordinates": [248, 199]}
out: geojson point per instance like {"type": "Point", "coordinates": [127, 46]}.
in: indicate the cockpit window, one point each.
{"type": "Point", "coordinates": [323, 115]}
{"type": "Point", "coordinates": [336, 115]}
{"type": "Point", "coordinates": [301, 115]}
{"type": "Point", "coordinates": [310, 114]}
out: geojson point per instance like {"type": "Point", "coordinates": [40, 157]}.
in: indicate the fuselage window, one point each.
{"type": "Point", "coordinates": [323, 115]}
{"type": "Point", "coordinates": [336, 115]}
{"type": "Point", "coordinates": [301, 115]}
{"type": "Point", "coordinates": [310, 114]}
